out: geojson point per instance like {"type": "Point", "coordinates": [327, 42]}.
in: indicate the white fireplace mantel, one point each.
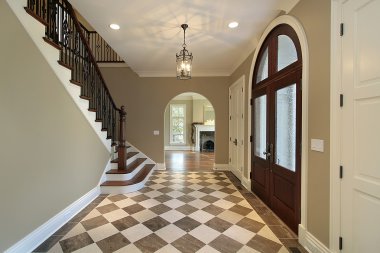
{"type": "Point", "coordinates": [198, 129]}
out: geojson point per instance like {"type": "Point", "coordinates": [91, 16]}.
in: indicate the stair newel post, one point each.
{"type": "Point", "coordinates": [122, 148]}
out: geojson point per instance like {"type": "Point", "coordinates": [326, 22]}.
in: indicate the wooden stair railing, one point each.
{"type": "Point", "coordinates": [64, 32]}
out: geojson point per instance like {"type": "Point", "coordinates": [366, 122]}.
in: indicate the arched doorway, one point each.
{"type": "Point", "coordinates": [189, 133]}
{"type": "Point", "coordinates": [276, 124]}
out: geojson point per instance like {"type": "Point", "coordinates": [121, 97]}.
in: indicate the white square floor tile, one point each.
{"type": "Point", "coordinates": [201, 216]}
{"type": "Point", "coordinates": [157, 186]}
{"type": "Point", "coordinates": [174, 203]}
{"type": "Point", "coordinates": [267, 233]}
{"type": "Point", "coordinates": [208, 249]}
{"type": "Point", "coordinates": [172, 216]}
{"type": "Point", "coordinates": [105, 202]}
{"type": "Point", "coordinates": [219, 194]}
{"type": "Point", "coordinates": [195, 186]}
{"type": "Point", "coordinates": [170, 233]}
{"type": "Point", "coordinates": [168, 249]}
{"type": "Point", "coordinates": [197, 194]}
{"type": "Point", "coordinates": [137, 232]}
{"type": "Point", "coordinates": [153, 194]}
{"type": "Point", "coordinates": [239, 234]}
{"type": "Point", "coordinates": [93, 248]}
{"type": "Point", "coordinates": [102, 232]}
{"type": "Point", "coordinates": [115, 215]}
{"type": "Point", "coordinates": [130, 248]}
{"type": "Point", "coordinates": [204, 233]}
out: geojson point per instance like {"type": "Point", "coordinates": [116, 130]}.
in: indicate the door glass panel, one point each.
{"type": "Point", "coordinates": [285, 130]}
{"type": "Point", "coordinates": [260, 134]}
{"type": "Point", "coordinates": [262, 72]}
{"type": "Point", "coordinates": [287, 53]}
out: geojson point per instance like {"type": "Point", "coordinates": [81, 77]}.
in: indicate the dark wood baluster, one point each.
{"type": "Point", "coordinates": [122, 149]}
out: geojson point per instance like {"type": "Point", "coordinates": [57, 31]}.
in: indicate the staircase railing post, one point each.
{"type": "Point", "coordinates": [122, 148]}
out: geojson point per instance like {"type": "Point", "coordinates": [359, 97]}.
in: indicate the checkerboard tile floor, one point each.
{"type": "Point", "coordinates": [175, 212]}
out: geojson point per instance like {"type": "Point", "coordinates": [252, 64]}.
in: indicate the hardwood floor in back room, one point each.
{"type": "Point", "coordinates": [189, 160]}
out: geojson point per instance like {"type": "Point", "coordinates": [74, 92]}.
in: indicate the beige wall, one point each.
{"type": "Point", "coordinates": [146, 100]}
{"type": "Point", "coordinates": [189, 120]}
{"type": "Point", "coordinates": [49, 154]}
{"type": "Point", "coordinates": [317, 27]}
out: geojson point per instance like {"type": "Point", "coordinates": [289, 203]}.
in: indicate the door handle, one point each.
{"type": "Point", "coordinates": [235, 142]}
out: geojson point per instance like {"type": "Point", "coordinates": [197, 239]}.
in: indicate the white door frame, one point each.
{"type": "Point", "coordinates": [335, 123]}
{"type": "Point", "coordinates": [303, 234]}
{"type": "Point", "coordinates": [240, 156]}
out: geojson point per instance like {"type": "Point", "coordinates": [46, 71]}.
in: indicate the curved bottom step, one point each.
{"type": "Point", "coordinates": [134, 184]}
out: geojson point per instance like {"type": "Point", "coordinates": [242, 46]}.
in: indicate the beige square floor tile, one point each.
{"type": "Point", "coordinates": [143, 215]}
{"type": "Point", "coordinates": [201, 216]}
{"type": "Point", "coordinates": [102, 232]}
{"type": "Point", "coordinates": [56, 249]}
{"type": "Point", "coordinates": [197, 194]}
{"type": "Point", "coordinates": [247, 249]}
{"type": "Point", "coordinates": [170, 233]}
{"type": "Point", "coordinates": [195, 186]}
{"type": "Point", "coordinates": [78, 229]}
{"type": "Point", "coordinates": [175, 194]}
{"type": "Point", "coordinates": [125, 203]}
{"type": "Point", "coordinates": [115, 215]}
{"type": "Point", "coordinates": [200, 204]}
{"type": "Point", "coordinates": [239, 234]}
{"type": "Point", "coordinates": [92, 214]}
{"type": "Point", "coordinates": [105, 202]}
{"type": "Point", "coordinates": [204, 233]}
{"type": "Point", "coordinates": [230, 216]}
{"type": "Point", "coordinates": [254, 216]}
{"type": "Point", "coordinates": [153, 194]}
{"type": "Point", "coordinates": [172, 216]}
{"type": "Point", "coordinates": [224, 204]}
{"type": "Point", "coordinates": [267, 233]}
{"type": "Point", "coordinates": [137, 232]}
{"type": "Point", "coordinates": [219, 194]}
{"type": "Point", "coordinates": [149, 203]}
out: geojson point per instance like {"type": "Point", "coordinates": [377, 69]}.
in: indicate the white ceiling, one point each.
{"type": "Point", "coordinates": [151, 35]}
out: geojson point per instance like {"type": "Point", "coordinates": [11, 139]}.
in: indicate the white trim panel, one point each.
{"type": "Point", "coordinates": [43, 232]}
{"type": "Point", "coordinates": [160, 166]}
{"type": "Point", "coordinates": [221, 167]}
{"type": "Point", "coordinates": [246, 182]}
{"type": "Point", "coordinates": [310, 242]}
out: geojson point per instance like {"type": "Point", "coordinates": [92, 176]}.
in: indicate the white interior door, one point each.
{"type": "Point", "coordinates": [360, 145]}
{"type": "Point", "coordinates": [237, 128]}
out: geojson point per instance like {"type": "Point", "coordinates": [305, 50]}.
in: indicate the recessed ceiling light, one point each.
{"type": "Point", "coordinates": [233, 24]}
{"type": "Point", "coordinates": [115, 26]}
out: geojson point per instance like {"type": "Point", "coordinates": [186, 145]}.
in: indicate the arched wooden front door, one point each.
{"type": "Point", "coordinates": [276, 124]}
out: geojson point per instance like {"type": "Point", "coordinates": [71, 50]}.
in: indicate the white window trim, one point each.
{"type": "Point", "coordinates": [171, 124]}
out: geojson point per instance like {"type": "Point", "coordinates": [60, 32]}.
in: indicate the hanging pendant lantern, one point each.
{"type": "Point", "coordinates": [184, 59]}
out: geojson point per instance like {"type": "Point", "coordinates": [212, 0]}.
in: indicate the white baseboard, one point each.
{"type": "Point", "coordinates": [221, 167]}
{"type": "Point", "coordinates": [185, 148]}
{"type": "Point", "coordinates": [43, 232]}
{"type": "Point", "coordinates": [310, 242]}
{"type": "Point", "coordinates": [246, 183]}
{"type": "Point", "coordinates": [160, 166]}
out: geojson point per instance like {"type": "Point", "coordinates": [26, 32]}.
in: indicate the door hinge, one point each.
{"type": "Point", "coordinates": [242, 89]}
{"type": "Point", "coordinates": [341, 171]}
{"type": "Point", "coordinates": [230, 117]}
{"type": "Point", "coordinates": [251, 101]}
{"type": "Point", "coordinates": [230, 97]}
{"type": "Point", "coordinates": [341, 100]}
{"type": "Point", "coordinates": [242, 116]}
{"type": "Point", "coordinates": [230, 159]}
{"type": "Point", "coordinates": [340, 243]}
{"type": "Point", "coordinates": [341, 29]}
{"type": "Point", "coordinates": [250, 138]}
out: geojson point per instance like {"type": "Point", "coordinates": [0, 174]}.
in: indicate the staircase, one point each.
{"type": "Point", "coordinates": [78, 71]}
